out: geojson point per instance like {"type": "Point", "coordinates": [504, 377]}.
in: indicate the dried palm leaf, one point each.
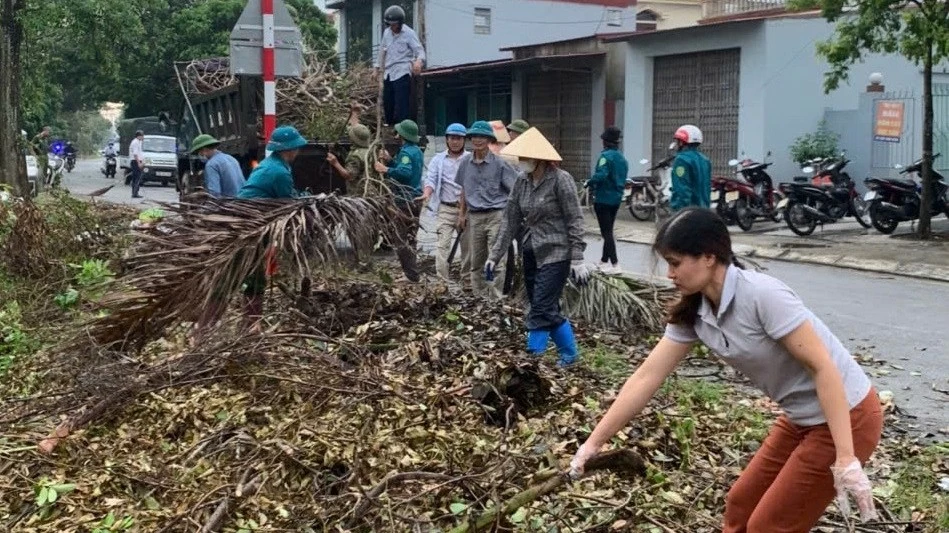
{"type": "Point", "coordinates": [617, 302]}
{"type": "Point", "coordinates": [204, 252]}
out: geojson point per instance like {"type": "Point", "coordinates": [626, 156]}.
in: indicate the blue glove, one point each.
{"type": "Point", "coordinates": [489, 271]}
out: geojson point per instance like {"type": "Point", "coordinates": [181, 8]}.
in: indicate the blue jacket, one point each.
{"type": "Point", "coordinates": [406, 170]}
{"type": "Point", "coordinates": [609, 178]}
{"type": "Point", "coordinates": [223, 177]}
{"type": "Point", "coordinates": [271, 179]}
{"type": "Point", "coordinates": [691, 180]}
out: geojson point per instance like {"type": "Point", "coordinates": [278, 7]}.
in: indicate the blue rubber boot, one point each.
{"type": "Point", "coordinates": [537, 341]}
{"type": "Point", "coordinates": [566, 344]}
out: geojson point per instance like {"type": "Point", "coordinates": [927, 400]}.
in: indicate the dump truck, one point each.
{"type": "Point", "coordinates": [232, 115]}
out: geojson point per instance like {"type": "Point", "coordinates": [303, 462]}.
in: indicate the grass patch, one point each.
{"type": "Point", "coordinates": [914, 487]}
{"type": "Point", "coordinates": [606, 362]}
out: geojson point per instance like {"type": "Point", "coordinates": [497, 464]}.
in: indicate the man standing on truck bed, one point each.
{"type": "Point", "coordinates": [137, 161]}
{"type": "Point", "coordinates": [223, 177]}
{"type": "Point", "coordinates": [403, 56]}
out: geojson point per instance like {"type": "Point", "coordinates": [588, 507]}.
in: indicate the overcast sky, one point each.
{"type": "Point", "coordinates": [321, 4]}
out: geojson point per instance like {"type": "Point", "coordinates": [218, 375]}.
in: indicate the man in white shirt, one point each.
{"type": "Point", "coordinates": [403, 55]}
{"type": "Point", "coordinates": [441, 191]}
{"type": "Point", "coordinates": [137, 162]}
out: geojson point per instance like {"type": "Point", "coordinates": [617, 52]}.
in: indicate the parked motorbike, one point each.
{"type": "Point", "coordinates": [70, 162]}
{"type": "Point", "coordinates": [110, 166]}
{"type": "Point", "coordinates": [830, 196]}
{"type": "Point", "coordinates": [748, 195]}
{"type": "Point", "coordinates": [54, 169]}
{"type": "Point", "coordinates": [648, 194]}
{"type": "Point", "coordinates": [894, 200]}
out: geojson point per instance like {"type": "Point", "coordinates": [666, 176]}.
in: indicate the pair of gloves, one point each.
{"type": "Point", "coordinates": [580, 272]}
{"type": "Point", "coordinates": [849, 481]}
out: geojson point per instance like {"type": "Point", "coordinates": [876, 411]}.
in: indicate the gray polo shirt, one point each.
{"type": "Point", "coordinates": [486, 184]}
{"type": "Point", "coordinates": [755, 312]}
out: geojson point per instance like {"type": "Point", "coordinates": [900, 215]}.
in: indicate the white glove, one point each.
{"type": "Point", "coordinates": [851, 480]}
{"type": "Point", "coordinates": [489, 270]}
{"type": "Point", "coordinates": [579, 460]}
{"type": "Point", "coordinates": [580, 272]}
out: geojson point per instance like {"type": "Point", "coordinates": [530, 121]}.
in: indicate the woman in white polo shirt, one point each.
{"type": "Point", "coordinates": [832, 419]}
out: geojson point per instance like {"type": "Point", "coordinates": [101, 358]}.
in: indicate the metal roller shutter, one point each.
{"type": "Point", "coordinates": [699, 89]}
{"type": "Point", "coordinates": [560, 105]}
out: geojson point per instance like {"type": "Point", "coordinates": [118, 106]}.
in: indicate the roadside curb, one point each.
{"type": "Point", "coordinates": [893, 268]}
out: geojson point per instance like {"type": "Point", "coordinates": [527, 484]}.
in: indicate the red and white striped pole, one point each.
{"type": "Point", "coordinates": [267, 62]}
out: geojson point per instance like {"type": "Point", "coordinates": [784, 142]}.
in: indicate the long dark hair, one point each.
{"type": "Point", "coordinates": [694, 232]}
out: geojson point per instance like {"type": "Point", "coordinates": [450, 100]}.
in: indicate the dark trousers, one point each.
{"type": "Point", "coordinates": [396, 99]}
{"type": "Point", "coordinates": [606, 217]}
{"type": "Point", "coordinates": [544, 286]}
{"type": "Point", "coordinates": [406, 253]}
{"type": "Point", "coordinates": [136, 177]}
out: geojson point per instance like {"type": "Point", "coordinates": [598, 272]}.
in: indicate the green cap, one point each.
{"type": "Point", "coordinates": [408, 130]}
{"type": "Point", "coordinates": [360, 135]}
{"type": "Point", "coordinates": [518, 126]}
{"type": "Point", "coordinates": [480, 128]}
{"type": "Point", "coordinates": [203, 141]}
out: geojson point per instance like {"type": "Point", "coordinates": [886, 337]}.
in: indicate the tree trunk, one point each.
{"type": "Point", "coordinates": [12, 163]}
{"type": "Point", "coordinates": [925, 214]}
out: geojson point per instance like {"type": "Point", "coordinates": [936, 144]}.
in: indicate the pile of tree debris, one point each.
{"type": "Point", "coordinates": [318, 102]}
{"type": "Point", "coordinates": [365, 405]}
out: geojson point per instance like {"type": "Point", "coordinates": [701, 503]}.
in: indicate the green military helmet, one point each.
{"type": "Point", "coordinates": [518, 126]}
{"type": "Point", "coordinates": [203, 141]}
{"type": "Point", "coordinates": [481, 128]}
{"type": "Point", "coordinates": [408, 130]}
{"type": "Point", "coordinates": [359, 135]}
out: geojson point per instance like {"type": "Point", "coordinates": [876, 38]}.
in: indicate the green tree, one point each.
{"type": "Point", "coordinates": [12, 162]}
{"type": "Point", "coordinates": [917, 29]}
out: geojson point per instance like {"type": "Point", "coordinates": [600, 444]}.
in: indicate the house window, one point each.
{"type": "Point", "coordinates": [646, 20]}
{"type": "Point", "coordinates": [482, 20]}
{"type": "Point", "coordinates": [614, 17]}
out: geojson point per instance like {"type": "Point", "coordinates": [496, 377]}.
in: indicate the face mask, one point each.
{"type": "Point", "coordinates": [527, 165]}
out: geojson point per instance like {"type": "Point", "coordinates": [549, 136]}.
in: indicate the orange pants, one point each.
{"type": "Point", "coordinates": [788, 484]}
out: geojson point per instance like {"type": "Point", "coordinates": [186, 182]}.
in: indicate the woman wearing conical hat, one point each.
{"type": "Point", "coordinates": [545, 210]}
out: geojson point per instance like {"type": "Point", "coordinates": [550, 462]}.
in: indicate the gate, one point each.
{"type": "Point", "coordinates": [884, 155]}
{"type": "Point", "coordinates": [941, 126]}
{"type": "Point", "coordinates": [701, 89]}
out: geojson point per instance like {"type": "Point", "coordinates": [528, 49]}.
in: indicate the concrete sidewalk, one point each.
{"type": "Point", "coordinates": [843, 244]}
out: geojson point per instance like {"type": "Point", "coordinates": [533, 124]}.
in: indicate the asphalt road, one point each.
{"type": "Point", "coordinates": [87, 177]}
{"type": "Point", "coordinates": [901, 322]}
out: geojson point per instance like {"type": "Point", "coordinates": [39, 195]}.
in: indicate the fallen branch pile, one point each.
{"type": "Point", "coordinates": [364, 405]}
{"type": "Point", "coordinates": [318, 102]}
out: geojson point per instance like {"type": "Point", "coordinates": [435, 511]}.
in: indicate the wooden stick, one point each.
{"type": "Point", "coordinates": [620, 461]}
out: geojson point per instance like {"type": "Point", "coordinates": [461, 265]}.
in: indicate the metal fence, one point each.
{"type": "Point", "coordinates": [941, 125]}
{"type": "Point", "coordinates": [722, 8]}
{"type": "Point", "coordinates": [886, 154]}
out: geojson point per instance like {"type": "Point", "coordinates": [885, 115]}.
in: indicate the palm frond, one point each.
{"type": "Point", "coordinates": [205, 251]}
{"type": "Point", "coordinates": [618, 302]}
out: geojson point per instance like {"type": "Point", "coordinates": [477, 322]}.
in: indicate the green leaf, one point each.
{"type": "Point", "coordinates": [519, 516]}
{"type": "Point", "coordinates": [152, 504]}
{"type": "Point", "coordinates": [109, 519]}
{"type": "Point", "coordinates": [458, 508]}
{"type": "Point", "coordinates": [63, 488]}
{"type": "Point", "coordinates": [52, 495]}
{"type": "Point", "coordinates": [42, 496]}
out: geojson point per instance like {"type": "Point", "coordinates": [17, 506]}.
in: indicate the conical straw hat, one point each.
{"type": "Point", "coordinates": [532, 145]}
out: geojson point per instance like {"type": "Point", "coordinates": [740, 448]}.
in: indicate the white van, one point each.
{"type": "Point", "coordinates": [161, 159]}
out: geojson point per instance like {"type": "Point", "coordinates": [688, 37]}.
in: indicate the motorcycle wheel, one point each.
{"type": "Point", "coordinates": [744, 216]}
{"type": "Point", "coordinates": [777, 214]}
{"type": "Point", "coordinates": [798, 220]}
{"type": "Point", "coordinates": [663, 212]}
{"type": "Point", "coordinates": [861, 211]}
{"type": "Point", "coordinates": [637, 209]}
{"type": "Point", "coordinates": [882, 223]}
